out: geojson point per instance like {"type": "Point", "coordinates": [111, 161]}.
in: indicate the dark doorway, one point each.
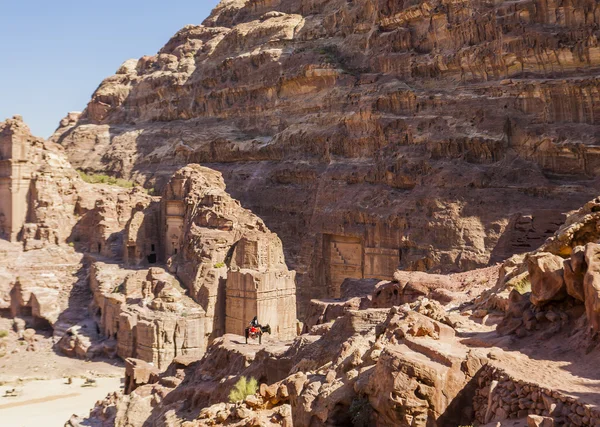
{"type": "Point", "coordinates": [152, 259]}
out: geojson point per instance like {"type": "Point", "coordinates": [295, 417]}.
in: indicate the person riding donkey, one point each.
{"type": "Point", "coordinates": [256, 330]}
{"type": "Point", "coordinates": [254, 325]}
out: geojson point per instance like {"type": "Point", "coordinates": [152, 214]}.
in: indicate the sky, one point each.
{"type": "Point", "coordinates": [54, 54]}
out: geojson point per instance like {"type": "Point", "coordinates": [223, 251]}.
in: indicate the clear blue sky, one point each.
{"type": "Point", "coordinates": [54, 54]}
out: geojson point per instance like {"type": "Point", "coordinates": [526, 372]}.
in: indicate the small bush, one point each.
{"type": "Point", "coordinates": [523, 286]}
{"type": "Point", "coordinates": [118, 289]}
{"type": "Point", "coordinates": [220, 265]}
{"type": "Point", "coordinates": [242, 389]}
{"type": "Point", "coordinates": [71, 244]}
{"type": "Point", "coordinates": [360, 412]}
{"type": "Point", "coordinates": [3, 333]}
{"type": "Point", "coordinates": [105, 179]}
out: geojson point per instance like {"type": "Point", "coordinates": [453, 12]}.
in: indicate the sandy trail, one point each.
{"type": "Point", "coordinates": [50, 403]}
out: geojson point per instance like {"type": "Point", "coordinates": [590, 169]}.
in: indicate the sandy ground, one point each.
{"type": "Point", "coordinates": [45, 399]}
{"type": "Point", "coordinates": [50, 403]}
{"type": "Point", "coordinates": [18, 364]}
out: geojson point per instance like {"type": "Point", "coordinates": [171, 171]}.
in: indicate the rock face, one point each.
{"type": "Point", "coordinates": [388, 367]}
{"type": "Point", "coordinates": [591, 285]}
{"type": "Point", "coordinates": [43, 277]}
{"type": "Point", "coordinates": [547, 277]}
{"type": "Point", "coordinates": [231, 266]}
{"type": "Point", "coordinates": [15, 175]}
{"type": "Point", "coordinates": [563, 274]}
{"type": "Point", "coordinates": [231, 263]}
{"type": "Point", "coordinates": [368, 135]}
{"type": "Point", "coordinates": [147, 313]}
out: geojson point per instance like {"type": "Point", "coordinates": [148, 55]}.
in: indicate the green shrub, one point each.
{"type": "Point", "coordinates": [71, 244]}
{"type": "Point", "coordinates": [105, 179]}
{"type": "Point", "coordinates": [242, 389]}
{"type": "Point", "coordinates": [3, 333]}
{"type": "Point", "coordinates": [220, 265]}
{"type": "Point", "coordinates": [523, 286]}
{"type": "Point", "coordinates": [360, 412]}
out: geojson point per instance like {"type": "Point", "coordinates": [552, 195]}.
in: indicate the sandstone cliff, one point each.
{"type": "Point", "coordinates": [368, 134]}
{"type": "Point", "coordinates": [529, 356]}
{"type": "Point", "coordinates": [52, 217]}
{"type": "Point", "coordinates": [231, 263]}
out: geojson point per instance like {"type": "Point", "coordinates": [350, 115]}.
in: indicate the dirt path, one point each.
{"type": "Point", "coordinates": [40, 400]}
{"type": "Point", "coordinates": [558, 363]}
{"type": "Point", "coordinates": [51, 403]}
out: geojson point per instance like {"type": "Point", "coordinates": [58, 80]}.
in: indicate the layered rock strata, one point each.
{"type": "Point", "coordinates": [368, 135]}
{"type": "Point", "coordinates": [147, 314]}
{"type": "Point", "coordinates": [377, 357]}
{"type": "Point", "coordinates": [230, 265]}
{"type": "Point", "coordinates": [225, 255]}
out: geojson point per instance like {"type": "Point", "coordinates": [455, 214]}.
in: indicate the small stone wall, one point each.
{"type": "Point", "coordinates": [500, 397]}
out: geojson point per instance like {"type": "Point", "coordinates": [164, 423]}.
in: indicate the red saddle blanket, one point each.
{"type": "Point", "coordinates": [253, 330]}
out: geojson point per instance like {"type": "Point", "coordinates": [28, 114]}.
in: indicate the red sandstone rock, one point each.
{"type": "Point", "coordinates": [547, 277]}
{"type": "Point", "coordinates": [368, 136]}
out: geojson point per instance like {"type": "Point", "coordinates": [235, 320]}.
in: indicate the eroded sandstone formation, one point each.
{"type": "Point", "coordinates": [82, 259]}
{"type": "Point", "coordinates": [232, 264]}
{"type": "Point", "coordinates": [368, 134]}
{"type": "Point", "coordinates": [491, 350]}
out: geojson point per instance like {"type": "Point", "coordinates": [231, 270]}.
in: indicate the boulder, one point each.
{"type": "Point", "coordinates": [547, 277]}
{"type": "Point", "coordinates": [591, 285]}
{"type": "Point", "coordinates": [137, 373]}
{"type": "Point", "coordinates": [575, 268]}
{"type": "Point", "coordinates": [539, 421]}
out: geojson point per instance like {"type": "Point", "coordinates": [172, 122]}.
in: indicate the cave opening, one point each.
{"type": "Point", "coordinates": [39, 323]}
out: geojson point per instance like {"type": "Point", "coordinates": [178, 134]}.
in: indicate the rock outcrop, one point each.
{"type": "Point", "coordinates": [395, 366]}
{"type": "Point", "coordinates": [51, 223]}
{"type": "Point", "coordinates": [558, 278]}
{"type": "Point", "coordinates": [231, 263]}
{"type": "Point", "coordinates": [368, 135]}
{"type": "Point", "coordinates": [147, 314]}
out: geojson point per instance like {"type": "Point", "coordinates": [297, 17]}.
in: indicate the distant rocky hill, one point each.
{"type": "Point", "coordinates": [429, 135]}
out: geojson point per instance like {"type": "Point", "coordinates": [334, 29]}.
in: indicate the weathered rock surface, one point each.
{"type": "Point", "coordinates": [147, 313]}
{"type": "Point", "coordinates": [44, 278]}
{"type": "Point", "coordinates": [591, 285]}
{"type": "Point", "coordinates": [225, 255]}
{"type": "Point", "coordinates": [562, 274]}
{"type": "Point", "coordinates": [546, 274]}
{"type": "Point", "coordinates": [368, 135]}
{"type": "Point", "coordinates": [574, 270]}
{"type": "Point", "coordinates": [390, 367]}
{"type": "Point", "coordinates": [231, 265]}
